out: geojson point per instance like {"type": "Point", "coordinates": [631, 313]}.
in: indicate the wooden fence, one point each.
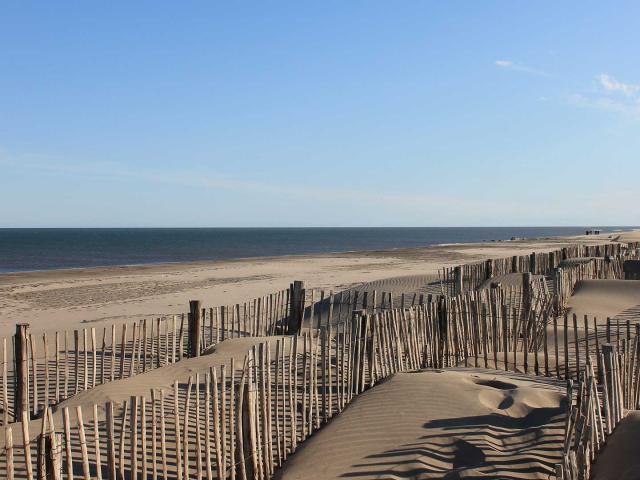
{"type": "Point", "coordinates": [565, 279]}
{"type": "Point", "coordinates": [598, 407]}
{"type": "Point", "coordinates": [61, 364]}
{"type": "Point", "coordinates": [58, 365]}
{"type": "Point", "coordinates": [227, 424]}
{"type": "Point", "coordinates": [485, 331]}
{"type": "Point", "coordinates": [456, 280]}
{"type": "Point", "coordinates": [244, 422]}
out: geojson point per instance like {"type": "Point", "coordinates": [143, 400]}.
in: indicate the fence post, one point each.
{"type": "Point", "coordinates": [195, 320]}
{"type": "Point", "coordinates": [610, 384]}
{"type": "Point", "coordinates": [558, 290]}
{"type": "Point", "coordinates": [111, 448]}
{"type": "Point", "coordinates": [358, 327]}
{"type": "Point", "coordinates": [489, 268]}
{"type": "Point", "coordinates": [21, 399]}
{"type": "Point", "coordinates": [296, 298]}
{"type": "Point", "coordinates": [458, 280]}
{"type": "Point", "coordinates": [48, 467]}
{"type": "Point", "coordinates": [443, 333]}
{"type": "Point", "coordinates": [532, 263]}
{"type": "Point", "coordinates": [631, 269]}
{"type": "Point", "coordinates": [56, 455]}
{"type": "Point", "coordinates": [527, 292]}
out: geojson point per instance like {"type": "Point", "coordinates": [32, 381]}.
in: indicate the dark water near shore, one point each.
{"type": "Point", "coordinates": [46, 249]}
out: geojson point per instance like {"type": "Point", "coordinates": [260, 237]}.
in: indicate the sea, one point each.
{"type": "Point", "coordinates": [31, 249]}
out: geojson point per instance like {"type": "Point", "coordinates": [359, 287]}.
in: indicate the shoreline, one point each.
{"type": "Point", "coordinates": [211, 262]}
{"type": "Point", "coordinates": [162, 263]}
{"type": "Point", "coordinates": [101, 296]}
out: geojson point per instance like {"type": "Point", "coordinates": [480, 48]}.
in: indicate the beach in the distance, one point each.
{"type": "Point", "coordinates": [429, 376]}
{"type": "Point", "coordinates": [98, 297]}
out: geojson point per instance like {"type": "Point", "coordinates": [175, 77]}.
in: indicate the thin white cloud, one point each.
{"type": "Point", "coordinates": [610, 95]}
{"type": "Point", "coordinates": [519, 67]}
{"type": "Point", "coordinates": [418, 203]}
{"type": "Point", "coordinates": [328, 205]}
{"type": "Point", "coordinates": [612, 85]}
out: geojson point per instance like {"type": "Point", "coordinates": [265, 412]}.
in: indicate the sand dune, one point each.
{"type": "Point", "coordinates": [402, 284]}
{"type": "Point", "coordinates": [606, 298]}
{"type": "Point", "coordinates": [411, 286]}
{"type": "Point", "coordinates": [627, 236]}
{"type": "Point", "coordinates": [141, 385]}
{"type": "Point", "coordinates": [440, 424]}
{"type": "Point", "coordinates": [619, 460]}
{"type": "Point", "coordinates": [509, 280]}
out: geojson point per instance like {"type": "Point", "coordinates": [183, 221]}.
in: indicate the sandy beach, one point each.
{"type": "Point", "coordinates": [448, 420]}
{"type": "Point", "coordinates": [66, 299]}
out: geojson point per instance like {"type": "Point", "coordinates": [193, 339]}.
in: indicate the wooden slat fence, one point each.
{"type": "Point", "coordinates": [62, 364]}
{"type": "Point", "coordinates": [597, 404]}
{"type": "Point", "coordinates": [565, 279]}
{"type": "Point", "coordinates": [456, 280]}
{"type": "Point", "coordinates": [234, 422]}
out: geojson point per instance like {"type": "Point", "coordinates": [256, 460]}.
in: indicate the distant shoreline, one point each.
{"type": "Point", "coordinates": [178, 265]}
{"type": "Point", "coordinates": [57, 299]}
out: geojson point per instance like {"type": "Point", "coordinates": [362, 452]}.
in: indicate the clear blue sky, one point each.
{"type": "Point", "coordinates": [325, 113]}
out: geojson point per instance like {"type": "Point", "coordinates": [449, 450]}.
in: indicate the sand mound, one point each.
{"type": "Point", "coordinates": [412, 286]}
{"type": "Point", "coordinates": [606, 298]}
{"type": "Point", "coordinates": [164, 377]}
{"type": "Point", "coordinates": [630, 236]}
{"type": "Point", "coordinates": [620, 459]}
{"type": "Point", "coordinates": [440, 424]}
{"type": "Point", "coordinates": [160, 378]}
{"type": "Point", "coordinates": [405, 284]}
{"type": "Point", "coordinates": [508, 280]}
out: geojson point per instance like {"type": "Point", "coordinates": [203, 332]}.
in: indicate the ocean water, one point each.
{"type": "Point", "coordinates": [44, 249]}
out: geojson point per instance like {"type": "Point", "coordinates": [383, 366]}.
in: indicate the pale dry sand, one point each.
{"type": "Point", "coordinates": [606, 298]}
{"type": "Point", "coordinates": [162, 378]}
{"type": "Point", "coordinates": [435, 424]}
{"type": "Point", "coordinates": [619, 460]}
{"type": "Point", "coordinates": [415, 425]}
{"type": "Point", "coordinates": [67, 299]}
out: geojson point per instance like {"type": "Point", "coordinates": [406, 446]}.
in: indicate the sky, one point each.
{"type": "Point", "coordinates": [332, 113]}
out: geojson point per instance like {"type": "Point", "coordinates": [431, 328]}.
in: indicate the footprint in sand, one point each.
{"type": "Point", "coordinates": [493, 383]}
{"type": "Point", "coordinates": [499, 395]}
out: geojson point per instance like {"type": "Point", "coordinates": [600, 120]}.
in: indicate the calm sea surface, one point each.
{"type": "Point", "coordinates": [45, 249]}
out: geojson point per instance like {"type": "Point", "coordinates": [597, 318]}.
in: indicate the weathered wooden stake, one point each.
{"type": "Point", "coordinates": [527, 292]}
{"type": "Point", "coordinates": [558, 289]}
{"type": "Point", "coordinates": [458, 280]}
{"type": "Point", "coordinates": [195, 320]}
{"type": "Point", "coordinates": [21, 399]}
{"type": "Point", "coordinates": [533, 266]}
{"type": "Point", "coordinates": [489, 269]}
{"type": "Point", "coordinates": [296, 308]}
